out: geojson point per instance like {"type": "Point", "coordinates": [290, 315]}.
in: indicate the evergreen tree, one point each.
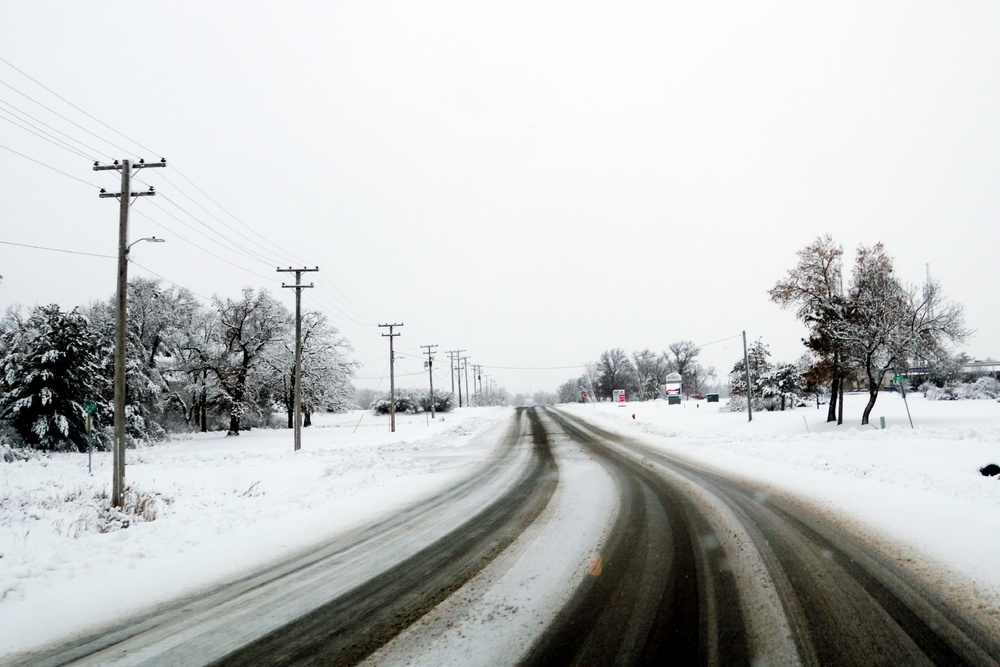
{"type": "Point", "coordinates": [51, 368]}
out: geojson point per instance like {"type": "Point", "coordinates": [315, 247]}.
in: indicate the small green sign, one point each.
{"type": "Point", "coordinates": [897, 378]}
{"type": "Point", "coordinates": [91, 408]}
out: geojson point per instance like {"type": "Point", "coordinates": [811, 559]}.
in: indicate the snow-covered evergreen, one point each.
{"type": "Point", "coordinates": [51, 370]}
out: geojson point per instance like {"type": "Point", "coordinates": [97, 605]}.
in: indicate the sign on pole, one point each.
{"type": "Point", "coordinates": [673, 385]}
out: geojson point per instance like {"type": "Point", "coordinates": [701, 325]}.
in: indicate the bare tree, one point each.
{"type": "Point", "coordinates": [682, 358]}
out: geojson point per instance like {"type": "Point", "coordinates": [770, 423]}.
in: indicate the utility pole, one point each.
{"type": "Point", "coordinates": [125, 199]}
{"type": "Point", "coordinates": [455, 370]}
{"type": "Point", "coordinates": [746, 367]}
{"type": "Point", "coordinates": [476, 382]}
{"type": "Point", "coordinates": [392, 375]}
{"type": "Point", "coordinates": [430, 373]}
{"type": "Point", "coordinates": [465, 366]}
{"type": "Point", "coordinates": [451, 368]}
{"type": "Point", "coordinates": [297, 375]}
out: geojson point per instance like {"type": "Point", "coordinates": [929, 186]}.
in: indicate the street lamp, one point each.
{"type": "Point", "coordinates": [151, 239]}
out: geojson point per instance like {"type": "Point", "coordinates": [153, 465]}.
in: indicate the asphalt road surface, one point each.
{"type": "Point", "coordinates": [710, 571]}
{"type": "Point", "coordinates": [697, 568]}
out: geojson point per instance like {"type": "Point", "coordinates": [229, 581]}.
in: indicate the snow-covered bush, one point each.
{"type": "Point", "coordinates": [10, 454]}
{"type": "Point", "coordinates": [985, 388]}
{"type": "Point", "coordinates": [413, 401]}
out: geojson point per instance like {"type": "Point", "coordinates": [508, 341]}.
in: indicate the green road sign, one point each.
{"type": "Point", "coordinates": [91, 408]}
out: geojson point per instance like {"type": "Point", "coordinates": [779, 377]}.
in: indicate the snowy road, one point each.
{"type": "Point", "coordinates": [747, 579]}
{"type": "Point", "coordinates": [571, 545]}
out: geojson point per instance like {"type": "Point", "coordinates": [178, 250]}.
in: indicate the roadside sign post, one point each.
{"type": "Point", "coordinates": [89, 426]}
{"type": "Point", "coordinates": [901, 379]}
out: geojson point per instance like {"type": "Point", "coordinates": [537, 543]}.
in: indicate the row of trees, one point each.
{"type": "Point", "coordinates": [190, 366]}
{"type": "Point", "coordinates": [641, 375]}
{"type": "Point", "coordinates": [875, 326]}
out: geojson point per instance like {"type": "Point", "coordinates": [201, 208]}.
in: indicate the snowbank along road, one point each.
{"type": "Point", "coordinates": [572, 545]}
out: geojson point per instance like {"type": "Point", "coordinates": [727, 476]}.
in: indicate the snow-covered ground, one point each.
{"type": "Point", "coordinates": [228, 505]}
{"type": "Point", "coordinates": [224, 506]}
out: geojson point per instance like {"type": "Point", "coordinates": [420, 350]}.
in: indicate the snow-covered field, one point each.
{"type": "Point", "coordinates": [227, 505]}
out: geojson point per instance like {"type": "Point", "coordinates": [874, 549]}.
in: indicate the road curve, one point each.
{"type": "Point", "coordinates": [707, 570]}
{"type": "Point", "coordinates": [696, 569]}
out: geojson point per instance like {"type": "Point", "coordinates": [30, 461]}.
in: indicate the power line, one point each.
{"type": "Point", "coordinates": [70, 252]}
{"type": "Point", "coordinates": [533, 368]}
{"type": "Point", "coordinates": [21, 113]}
{"type": "Point", "coordinates": [75, 124]}
{"type": "Point", "coordinates": [149, 270]}
{"type": "Point", "coordinates": [332, 296]}
{"type": "Point", "coordinates": [47, 166]}
{"type": "Point", "coordinates": [209, 252]}
{"type": "Point", "coordinates": [49, 90]}
{"type": "Point", "coordinates": [44, 136]}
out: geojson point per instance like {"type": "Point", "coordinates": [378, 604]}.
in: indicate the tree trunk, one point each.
{"type": "Point", "coordinates": [872, 396]}
{"type": "Point", "coordinates": [831, 414]}
{"type": "Point", "coordinates": [874, 384]}
{"type": "Point", "coordinates": [307, 421]}
{"type": "Point", "coordinates": [840, 403]}
{"type": "Point", "coordinates": [234, 424]}
{"type": "Point", "coordinates": [203, 408]}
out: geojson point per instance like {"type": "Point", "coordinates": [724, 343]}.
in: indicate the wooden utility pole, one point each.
{"type": "Point", "coordinates": [465, 367]}
{"type": "Point", "coordinates": [477, 382]}
{"type": "Point", "coordinates": [746, 367]}
{"type": "Point", "coordinates": [392, 375]}
{"type": "Point", "coordinates": [455, 370]}
{"type": "Point", "coordinates": [125, 200]}
{"type": "Point", "coordinates": [297, 374]}
{"type": "Point", "coordinates": [430, 373]}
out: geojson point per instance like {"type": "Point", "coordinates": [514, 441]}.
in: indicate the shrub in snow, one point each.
{"type": "Point", "coordinates": [10, 454]}
{"type": "Point", "coordinates": [137, 507]}
{"type": "Point", "coordinates": [984, 388]}
{"type": "Point", "coordinates": [413, 401]}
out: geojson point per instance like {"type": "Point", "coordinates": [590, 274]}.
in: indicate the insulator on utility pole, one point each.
{"type": "Point", "coordinates": [297, 373]}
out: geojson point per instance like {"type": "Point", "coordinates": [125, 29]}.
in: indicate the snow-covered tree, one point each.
{"type": "Point", "coordinates": [764, 389]}
{"type": "Point", "coordinates": [195, 391]}
{"type": "Point", "coordinates": [51, 369]}
{"type": "Point", "coordinates": [650, 369]}
{"type": "Point", "coordinates": [250, 328]}
{"type": "Point", "coordinates": [571, 391]}
{"type": "Point", "coordinates": [682, 358]}
{"type": "Point", "coordinates": [815, 289]}
{"type": "Point", "coordinates": [326, 369]}
{"type": "Point", "coordinates": [615, 371]}
{"type": "Point", "coordinates": [892, 324]}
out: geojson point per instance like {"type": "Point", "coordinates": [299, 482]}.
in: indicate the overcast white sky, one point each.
{"type": "Point", "coordinates": [533, 182]}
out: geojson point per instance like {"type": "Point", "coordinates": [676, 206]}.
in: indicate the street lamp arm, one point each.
{"type": "Point", "coordinates": [151, 239]}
